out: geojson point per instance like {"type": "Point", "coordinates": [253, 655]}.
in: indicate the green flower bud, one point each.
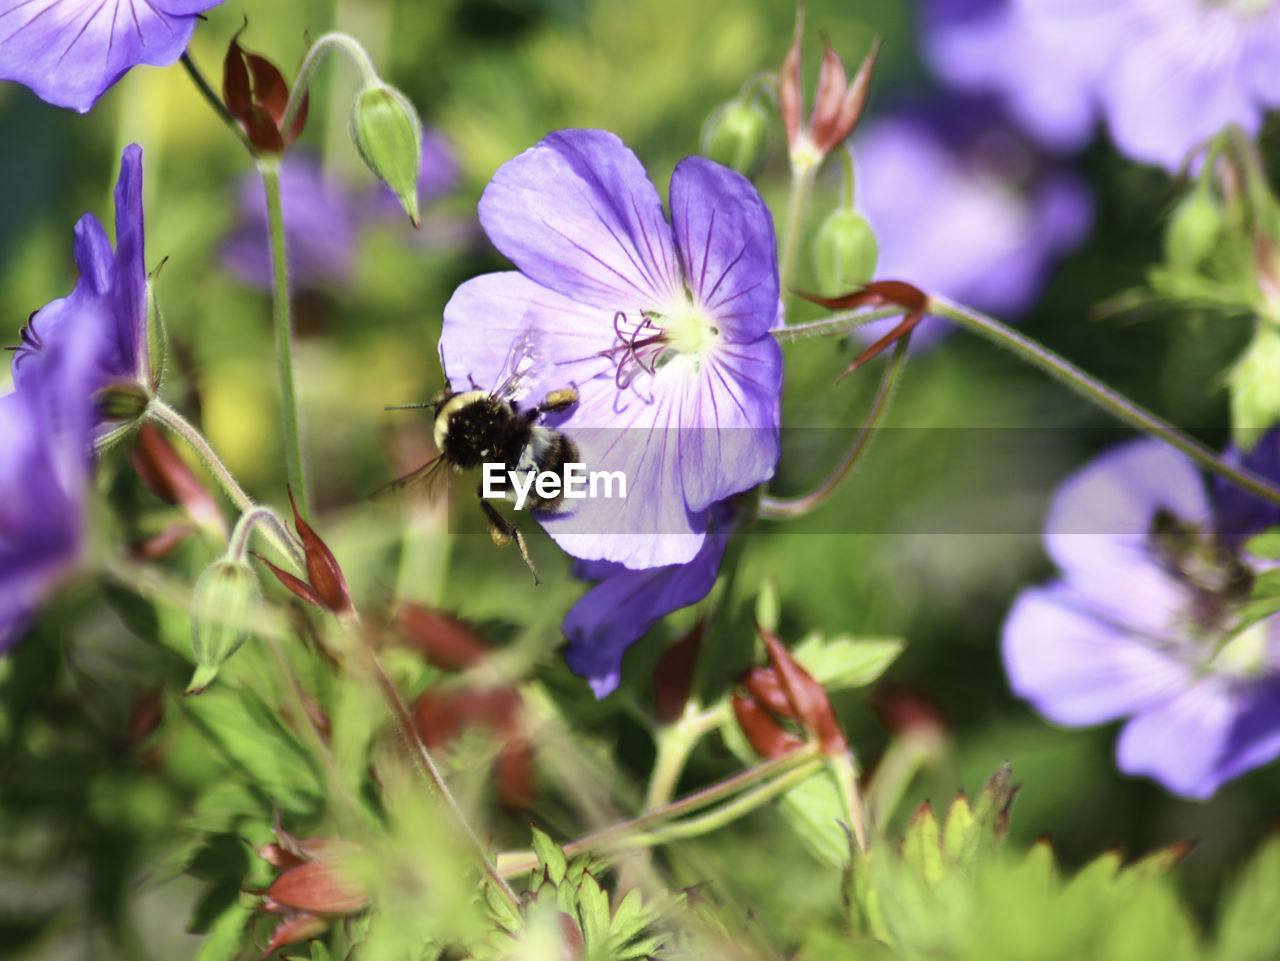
{"type": "Point", "coordinates": [222, 605]}
{"type": "Point", "coordinates": [737, 135]}
{"type": "Point", "coordinates": [844, 252]}
{"type": "Point", "coordinates": [1255, 389]}
{"type": "Point", "coordinates": [388, 134]}
{"type": "Point", "coordinates": [1193, 231]}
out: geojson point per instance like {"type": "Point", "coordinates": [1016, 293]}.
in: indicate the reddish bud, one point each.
{"type": "Point", "coordinates": [837, 106]}
{"type": "Point", "coordinates": [291, 582]}
{"type": "Point", "coordinates": [762, 683]}
{"type": "Point", "coordinates": [256, 95]}
{"type": "Point", "coordinates": [300, 927]}
{"type": "Point", "coordinates": [897, 293]}
{"type": "Point", "coordinates": [571, 937]}
{"type": "Point", "coordinates": [446, 642]}
{"type": "Point", "coordinates": [323, 571]}
{"type": "Point", "coordinates": [764, 734]}
{"type": "Point", "coordinates": [673, 675]}
{"type": "Point", "coordinates": [910, 714]}
{"type": "Point", "coordinates": [807, 697]}
{"type": "Point", "coordinates": [163, 544]}
{"type": "Point", "coordinates": [318, 887]}
{"type": "Point", "coordinates": [168, 477]}
{"type": "Point", "coordinates": [790, 95]}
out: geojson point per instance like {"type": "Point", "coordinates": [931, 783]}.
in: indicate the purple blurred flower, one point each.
{"type": "Point", "coordinates": [323, 218]}
{"type": "Point", "coordinates": [962, 207]}
{"type": "Point", "coordinates": [45, 433]}
{"type": "Point", "coordinates": [620, 609]}
{"type": "Point", "coordinates": [113, 289]}
{"type": "Point", "coordinates": [1136, 626]}
{"type": "Point", "coordinates": [663, 329]}
{"type": "Point", "coordinates": [1165, 75]}
{"type": "Point", "coordinates": [70, 51]}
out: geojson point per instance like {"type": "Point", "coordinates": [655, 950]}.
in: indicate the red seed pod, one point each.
{"type": "Point", "coordinates": [293, 583]}
{"type": "Point", "coordinates": [446, 642]}
{"type": "Point", "coordinates": [897, 293]}
{"type": "Point", "coordinates": [323, 570]}
{"type": "Point", "coordinates": [168, 477]}
{"type": "Point", "coordinates": [256, 95]}
{"type": "Point", "coordinates": [300, 927]}
{"type": "Point", "coordinates": [673, 675]}
{"type": "Point", "coordinates": [808, 698]}
{"type": "Point", "coordinates": [764, 734]}
{"type": "Point", "coordinates": [764, 686]}
{"type": "Point", "coordinates": [317, 887]}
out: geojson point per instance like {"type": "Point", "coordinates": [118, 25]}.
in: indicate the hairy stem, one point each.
{"type": "Point", "coordinates": [282, 322]}
{"type": "Point", "coordinates": [211, 97]}
{"type": "Point", "coordinates": [329, 41]}
{"type": "Point", "coordinates": [789, 249]}
{"type": "Point", "coordinates": [1116, 404]}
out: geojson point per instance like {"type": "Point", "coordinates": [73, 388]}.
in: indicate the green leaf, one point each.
{"type": "Point", "coordinates": [958, 828]}
{"type": "Point", "coordinates": [814, 809]}
{"type": "Point", "coordinates": [226, 936]}
{"type": "Point", "coordinates": [922, 844]}
{"type": "Point", "coordinates": [1250, 925]}
{"type": "Point", "coordinates": [1265, 546]}
{"type": "Point", "coordinates": [593, 910]}
{"type": "Point", "coordinates": [550, 856]}
{"type": "Point", "coordinates": [629, 917]}
{"type": "Point", "coordinates": [319, 952]}
{"type": "Point", "coordinates": [844, 662]}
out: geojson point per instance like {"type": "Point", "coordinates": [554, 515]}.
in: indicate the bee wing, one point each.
{"type": "Point", "coordinates": [527, 358]}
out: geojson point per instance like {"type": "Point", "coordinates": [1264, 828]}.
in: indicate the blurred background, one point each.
{"type": "Point", "coordinates": [928, 541]}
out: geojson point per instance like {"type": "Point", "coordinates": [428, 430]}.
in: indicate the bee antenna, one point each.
{"type": "Point", "coordinates": [407, 406]}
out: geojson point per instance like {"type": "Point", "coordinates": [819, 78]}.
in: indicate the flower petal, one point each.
{"type": "Point", "coordinates": [1077, 668]}
{"type": "Point", "coordinates": [70, 51]}
{"type": "Point", "coordinates": [724, 233]}
{"type": "Point", "coordinates": [619, 610]}
{"type": "Point", "coordinates": [577, 214]}
{"type": "Point", "coordinates": [732, 407]}
{"type": "Point", "coordinates": [129, 270]}
{"type": "Point", "coordinates": [1215, 731]}
{"type": "Point", "coordinates": [1099, 526]}
{"type": "Point", "coordinates": [1237, 514]}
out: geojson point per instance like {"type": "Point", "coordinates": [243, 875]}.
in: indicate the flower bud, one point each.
{"type": "Point", "coordinates": [736, 136]}
{"type": "Point", "coordinates": [388, 134]}
{"type": "Point", "coordinates": [221, 607]}
{"type": "Point", "coordinates": [1193, 230]}
{"type": "Point", "coordinates": [1255, 389]}
{"type": "Point", "coordinates": [844, 251]}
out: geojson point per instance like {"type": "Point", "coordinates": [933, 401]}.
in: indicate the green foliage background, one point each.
{"type": "Point", "coordinates": [105, 848]}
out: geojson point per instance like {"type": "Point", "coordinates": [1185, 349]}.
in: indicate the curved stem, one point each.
{"type": "Point", "coordinates": [162, 413]}
{"type": "Point", "coordinates": [784, 508]}
{"type": "Point", "coordinates": [1117, 405]}
{"type": "Point", "coordinates": [329, 41]}
{"type": "Point", "coordinates": [238, 545]}
{"type": "Point", "coordinates": [282, 323]}
{"type": "Point", "coordinates": [211, 97]}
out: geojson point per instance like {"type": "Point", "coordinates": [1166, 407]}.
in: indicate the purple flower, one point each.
{"type": "Point", "coordinates": [323, 218]}
{"type": "Point", "coordinates": [113, 289]}
{"type": "Point", "coordinates": [961, 207]}
{"type": "Point", "coordinates": [70, 51]}
{"type": "Point", "coordinates": [662, 328]}
{"type": "Point", "coordinates": [620, 609]}
{"type": "Point", "coordinates": [1164, 75]}
{"type": "Point", "coordinates": [1138, 625]}
{"type": "Point", "coordinates": [45, 433]}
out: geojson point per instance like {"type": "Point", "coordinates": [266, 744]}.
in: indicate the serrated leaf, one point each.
{"type": "Point", "coordinates": [843, 662]}
{"type": "Point", "coordinates": [550, 856]}
{"type": "Point", "coordinates": [1250, 925]}
{"type": "Point", "coordinates": [959, 826]}
{"type": "Point", "coordinates": [814, 809]}
{"type": "Point", "coordinates": [500, 908]}
{"type": "Point", "coordinates": [922, 844]}
{"type": "Point", "coordinates": [593, 910]}
{"type": "Point", "coordinates": [226, 936]}
{"type": "Point", "coordinates": [629, 917]}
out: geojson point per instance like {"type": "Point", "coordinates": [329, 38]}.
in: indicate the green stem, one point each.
{"type": "Point", "coordinates": [211, 97]}
{"type": "Point", "coordinates": [785, 508]}
{"type": "Point", "coordinates": [834, 325]}
{"type": "Point", "coordinates": [801, 182]}
{"type": "Point", "coordinates": [1109, 400]}
{"type": "Point", "coordinates": [846, 775]}
{"type": "Point", "coordinates": [282, 322]}
{"type": "Point", "coordinates": [675, 742]}
{"type": "Point", "coordinates": [276, 534]}
{"type": "Point", "coordinates": [329, 41]}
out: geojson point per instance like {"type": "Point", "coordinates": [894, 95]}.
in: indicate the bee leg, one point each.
{"type": "Point", "coordinates": [502, 532]}
{"type": "Point", "coordinates": [554, 401]}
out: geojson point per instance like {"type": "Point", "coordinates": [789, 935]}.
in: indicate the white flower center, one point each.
{"type": "Point", "coordinates": [688, 330]}
{"type": "Point", "coordinates": [1245, 655]}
